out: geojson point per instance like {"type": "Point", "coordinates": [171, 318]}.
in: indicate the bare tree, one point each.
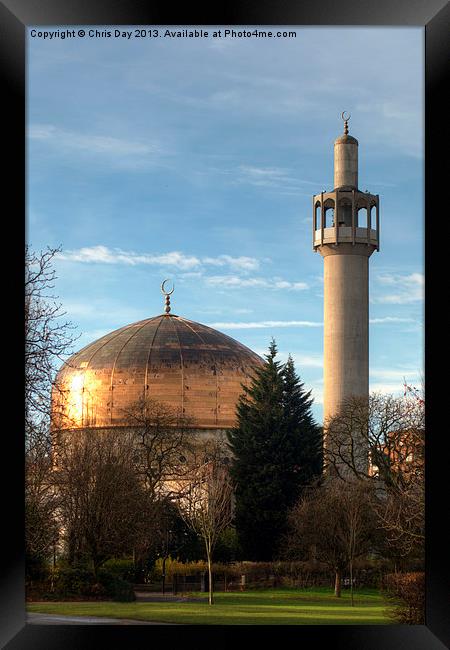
{"type": "Point", "coordinates": [163, 440]}
{"type": "Point", "coordinates": [391, 433]}
{"type": "Point", "coordinates": [205, 497]}
{"type": "Point", "coordinates": [41, 527]}
{"type": "Point", "coordinates": [115, 485]}
{"type": "Point", "coordinates": [359, 522]}
{"type": "Point", "coordinates": [336, 522]}
{"type": "Point", "coordinates": [48, 339]}
{"type": "Point", "coordinates": [101, 501]}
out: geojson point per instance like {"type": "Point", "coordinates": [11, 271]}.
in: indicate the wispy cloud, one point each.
{"type": "Point", "coordinates": [404, 288]}
{"type": "Point", "coordinates": [104, 255]}
{"type": "Point", "coordinates": [188, 265]}
{"type": "Point", "coordinates": [396, 122]}
{"type": "Point", "coordinates": [264, 324]}
{"type": "Point", "coordinates": [243, 263]}
{"type": "Point", "coordinates": [101, 311]}
{"type": "Point", "coordinates": [387, 388]}
{"type": "Point", "coordinates": [308, 360]}
{"type": "Point", "coordinates": [391, 380]}
{"type": "Point", "coordinates": [276, 178]}
{"type": "Point", "coordinates": [268, 176]}
{"type": "Point", "coordinates": [236, 282]}
{"type": "Point", "coordinates": [400, 375]}
{"type": "Point", "coordinates": [391, 319]}
{"type": "Point", "coordinates": [118, 151]}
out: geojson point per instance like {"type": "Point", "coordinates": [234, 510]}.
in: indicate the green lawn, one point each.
{"type": "Point", "coordinates": [265, 607]}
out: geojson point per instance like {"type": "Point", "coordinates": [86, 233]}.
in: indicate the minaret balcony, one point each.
{"type": "Point", "coordinates": [346, 215]}
{"type": "Point", "coordinates": [344, 234]}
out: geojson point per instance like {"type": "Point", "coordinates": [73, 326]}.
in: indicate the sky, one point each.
{"type": "Point", "coordinates": [196, 159]}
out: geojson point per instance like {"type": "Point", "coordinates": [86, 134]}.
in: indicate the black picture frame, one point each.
{"type": "Point", "coordinates": [434, 16]}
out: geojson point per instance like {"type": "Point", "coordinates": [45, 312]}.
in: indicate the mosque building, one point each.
{"type": "Point", "coordinates": [193, 369]}
{"type": "Point", "coordinates": [198, 371]}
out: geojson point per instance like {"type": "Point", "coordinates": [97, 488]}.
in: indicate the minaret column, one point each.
{"type": "Point", "coordinates": [346, 325]}
{"type": "Point", "coordinates": [346, 248]}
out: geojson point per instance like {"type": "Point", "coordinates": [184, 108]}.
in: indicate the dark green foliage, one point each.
{"type": "Point", "coordinates": [116, 587]}
{"type": "Point", "coordinates": [227, 548]}
{"type": "Point", "coordinates": [276, 447]}
{"type": "Point", "coordinates": [123, 568]}
{"type": "Point", "coordinates": [305, 434]}
{"type": "Point", "coordinates": [74, 582]}
{"type": "Point", "coordinates": [406, 593]}
{"type": "Point", "coordinates": [175, 538]}
{"type": "Point", "coordinates": [79, 583]}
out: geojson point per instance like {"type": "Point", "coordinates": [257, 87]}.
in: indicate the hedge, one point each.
{"type": "Point", "coordinates": [72, 583]}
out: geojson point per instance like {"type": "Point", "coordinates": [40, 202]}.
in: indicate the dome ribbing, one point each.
{"type": "Point", "coordinates": [187, 365]}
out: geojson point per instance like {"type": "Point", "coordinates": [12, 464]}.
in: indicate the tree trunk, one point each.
{"type": "Point", "coordinates": [351, 581]}
{"type": "Point", "coordinates": [163, 575]}
{"type": "Point", "coordinates": [210, 582]}
{"type": "Point", "coordinates": [71, 552]}
{"type": "Point", "coordinates": [337, 584]}
{"type": "Point", "coordinates": [210, 585]}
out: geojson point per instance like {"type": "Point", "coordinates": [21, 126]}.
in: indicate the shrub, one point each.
{"type": "Point", "coordinates": [78, 583]}
{"type": "Point", "coordinates": [406, 593]}
{"type": "Point", "coordinates": [263, 575]}
{"type": "Point", "coordinates": [72, 582]}
{"type": "Point", "coordinates": [174, 566]}
{"type": "Point", "coordinates": [122, 568]}
{"type": "Point", "coordinates": [116, 587]}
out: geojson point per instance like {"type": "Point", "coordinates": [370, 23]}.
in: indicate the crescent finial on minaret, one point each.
{"type": "Point", "coordinates": [167, 294]}
{"type": "Point", "coordinates": [346, 119]}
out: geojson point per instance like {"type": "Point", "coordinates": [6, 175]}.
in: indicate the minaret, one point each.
{"type": "Point", "coordinates": [346, 233]}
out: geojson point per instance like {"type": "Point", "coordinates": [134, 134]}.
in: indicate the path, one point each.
{"type": "Point", "coordinates": [35, 618]}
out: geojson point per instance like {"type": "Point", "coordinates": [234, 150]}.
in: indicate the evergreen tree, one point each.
{"type": "Point", "coordinates": [275, 452]}
{"type": "Point", "coordinates": [303, 430]}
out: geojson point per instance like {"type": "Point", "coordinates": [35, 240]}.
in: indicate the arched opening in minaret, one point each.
{"type": "Point", "coordinates": [363, 215]}
{"type": "Point", "coordinates": [317, 221]}
{"type": "Point", "coordinates": [345, 212]}
{"type": "Point", "coordinates": [328, 218]}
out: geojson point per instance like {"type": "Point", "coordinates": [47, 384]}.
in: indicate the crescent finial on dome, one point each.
{"type": "Point", "coordinates": [167, 294]}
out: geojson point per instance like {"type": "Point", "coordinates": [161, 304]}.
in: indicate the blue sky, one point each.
{"type": "Point", "coordinates": [196, 159]}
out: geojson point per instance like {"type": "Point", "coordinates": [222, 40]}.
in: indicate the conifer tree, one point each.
{"type": "Point", "coordinates": [304, 432]}
{"type": "Point", "coordinates": [274, 447]}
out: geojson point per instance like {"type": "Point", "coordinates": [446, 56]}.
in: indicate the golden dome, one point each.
{"type": "Point", "coordinates": [184, 364]}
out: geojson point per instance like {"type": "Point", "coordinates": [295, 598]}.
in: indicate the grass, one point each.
{"type": "Point", "coordinates": [262, 607]}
